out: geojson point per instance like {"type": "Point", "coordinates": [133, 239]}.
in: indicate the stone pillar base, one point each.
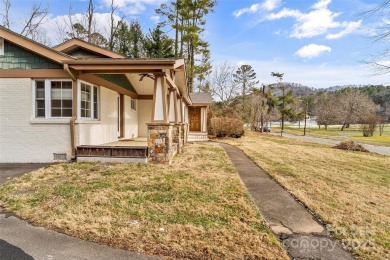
{"type": "Point", "coordinates": [161, 148]}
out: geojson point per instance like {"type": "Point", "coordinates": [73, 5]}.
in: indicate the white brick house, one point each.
{"type": "Point", "coordinates": [77, 100]}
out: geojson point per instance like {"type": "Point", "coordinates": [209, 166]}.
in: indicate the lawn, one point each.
{"type": "Point", "coordinates": [333, 132]}
{"type": "Point", "coordinates": [349, 191]}
{"type": "Point", "coordinates": [196, 208]}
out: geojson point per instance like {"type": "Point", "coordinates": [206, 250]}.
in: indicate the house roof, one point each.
{"type": "Point", "coordinates": [33, 46]}
{"type": "Point", "coordinates": [201, 98]}
{"type": "Point", "coordinates": [73, 44]}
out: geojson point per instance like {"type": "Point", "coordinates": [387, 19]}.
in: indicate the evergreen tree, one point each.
{"type": "Point", "coordinates": [246, 77]}
{"type": "Point", "coordinates": [157, 44]}
{"type": "Point", "coordinates": [285, 99]}
{"type": "Point", "coordinates": [187, 18]}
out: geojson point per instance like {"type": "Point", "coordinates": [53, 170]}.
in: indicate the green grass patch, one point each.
{"type": "Point", "coordinates": [196, 208]}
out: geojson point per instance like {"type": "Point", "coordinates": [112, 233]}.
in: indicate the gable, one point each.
{"type": "Point", "coordinates": [16, 57]}
{"type": "Point", "coordinates": [72, 45]}
{"type": "Point", "coordinates": [118, 79]}
{"type": "Point", "coordinates": [82, 53]}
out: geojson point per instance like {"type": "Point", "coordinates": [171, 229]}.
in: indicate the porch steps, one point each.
{"type": "Point", "coordinates": [197, 137]}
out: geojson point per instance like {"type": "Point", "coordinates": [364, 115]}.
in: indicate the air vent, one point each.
{"type": "Point", "coordinates": [59, 156]}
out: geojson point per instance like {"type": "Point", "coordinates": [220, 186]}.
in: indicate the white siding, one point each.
{"type": "Point", "coordinates": [105, 130]}
{"type": "Point", "coordinates": [21, 138]}
{"type": "Point", "coordinates": [131, 119]}
{"type": "Point", "coordinates": [144, 116]}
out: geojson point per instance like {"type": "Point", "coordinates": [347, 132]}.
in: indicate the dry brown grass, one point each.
{"type": "Point", "coordinates": [197, 208]}
{"type": "Point", "coordinates": [348, 190]}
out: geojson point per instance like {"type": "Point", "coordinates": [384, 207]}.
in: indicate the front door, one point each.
{"type": "Point", "coordinates": [194, 114]}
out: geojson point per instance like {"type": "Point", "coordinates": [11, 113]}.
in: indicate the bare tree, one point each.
{"type": "Point", "coordinates": [5, 15]}
{"type": "Point", "coordinates": [222, 83]}
{"type": "Point", "coordinates": [90, 21]}
{"type": "Point", "coordinates": [383, 34]}
{"type": "Point", "coordinates": [325, 109]}
{"type": "Point", "coordinates": [34, 20]}
{"type": "Point", "coordinates": [353, 106]}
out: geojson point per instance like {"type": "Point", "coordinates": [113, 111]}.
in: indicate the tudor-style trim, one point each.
{"type": "Point", "coordinates": [145, 97]}
{"type": "Point", "coordinates": [107, 84]}
{"type": "Point", "coordinates": [33, 46]}
{"type": "Point", "coordinates": [163, 98]}
{"type": "Point", "coordinates": [33, 73]}
{"type": "Point", "coordinates": [73, 44]}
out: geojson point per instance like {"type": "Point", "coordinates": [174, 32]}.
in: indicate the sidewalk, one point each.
{"type": "Point", "coordinates": [302, 235]}
{"type": "Point", "coordinates": [372, 148]}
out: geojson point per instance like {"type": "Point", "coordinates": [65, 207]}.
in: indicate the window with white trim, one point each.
{"type": "Point", "coordinates": [89, 101]}
{"type": "Point", "coordinates": [53, 98]}
{"type": "Point", "coordinates": [133, 104]}
{"type": "Point", "coordinates": [40, 98]}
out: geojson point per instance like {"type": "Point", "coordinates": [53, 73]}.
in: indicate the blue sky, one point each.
{"type": "Point", "coordinates": [318, 43]}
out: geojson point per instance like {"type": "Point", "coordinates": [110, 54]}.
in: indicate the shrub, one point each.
{"type": "Point", "coordinates": [227, 127]}
{"type": "Point", "coordinates": [350, 146]}
{"type": "Point", "coordinates": [370, 122]}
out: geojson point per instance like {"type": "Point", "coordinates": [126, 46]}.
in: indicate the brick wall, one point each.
{"type": "Point", "coordinates": [21, 138]}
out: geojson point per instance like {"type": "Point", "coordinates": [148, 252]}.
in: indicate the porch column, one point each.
{"type": "Point", "coordinates": [160, 110]}
{"type": "Point", "coordinates": [172, 111]}
{"type": "Point", "coordinates": [161, 148]}
{"type": "Point", "coordinates": [203, 118]}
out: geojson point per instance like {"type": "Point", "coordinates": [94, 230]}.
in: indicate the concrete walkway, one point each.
{"type": "Point", "coordinates": [300, 232]}
{"type": "Point", "coordinates": [20, 240]}
{"type": "Point", "coordinates": [372, 148]}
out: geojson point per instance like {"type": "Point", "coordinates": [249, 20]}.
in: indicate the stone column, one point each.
{"type": "Point", "coordinates": [160, 142]}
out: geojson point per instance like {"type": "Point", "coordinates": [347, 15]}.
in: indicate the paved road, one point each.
{"type": "Point", "coordinates": [372, 148]}
{"type": "Point", "coordinates": [303, 236]}
{"type": "Point", "coordinates": [20, 240]}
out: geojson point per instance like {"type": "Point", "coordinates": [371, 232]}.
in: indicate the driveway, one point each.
{"type": "Point", "coordinates": [12, 170]}
{"type": "Point", "coordinates": [20, 240]}
{"type": "Point", "coordinates": [384, 150]}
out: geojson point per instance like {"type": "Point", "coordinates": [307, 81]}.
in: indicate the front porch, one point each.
{"type": "Point", "coordinates": [126, 150]}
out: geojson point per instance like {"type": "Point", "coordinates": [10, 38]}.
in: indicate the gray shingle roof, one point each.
{"type": "Point", "coordinates": [201, 98]}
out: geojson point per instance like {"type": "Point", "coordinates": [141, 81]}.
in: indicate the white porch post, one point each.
{"type": "Point", "coordinates": [203, 116]}
{"type": "Point", "coordinates": [172, 111]}
{"type": "Point", "coordinates": [179, 110]}
{"type": "Point", "coordinates": [159, 112]}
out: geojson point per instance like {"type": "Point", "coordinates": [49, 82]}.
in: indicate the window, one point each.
{"type": "Point", "coordinates": [133, 104]}
{"type": "Point", "coordinates": [61, 99]}
{"type": "Point", "coordinates": [89, 105]}
{"type": "Point", "coordinates": [40, 98]}
{"type": "Point", "coordinates": [53, 98]}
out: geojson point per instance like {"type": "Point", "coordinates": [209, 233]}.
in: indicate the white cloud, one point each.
{"type": "Point", "coordinates": [133, 7]}
{"type": "Point", "coordinates": [316, 22]}
{"type": "Point", "coordinates": [271, 4]}
{"type": "Point", "coordinates": [155, 18]}
{"type": "Point", "coordinates": [267, 5]}
{"type": "Point", "coordinates": [312, 51]}
{"type": "Point", "coordinates": [349, 27]}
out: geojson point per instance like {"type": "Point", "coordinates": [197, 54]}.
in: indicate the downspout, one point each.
{"type": "Point", "coordinates": [74, 112]}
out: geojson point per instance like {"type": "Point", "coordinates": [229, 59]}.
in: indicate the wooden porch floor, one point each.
{"type": "Point", "coordinates": [137, 142]}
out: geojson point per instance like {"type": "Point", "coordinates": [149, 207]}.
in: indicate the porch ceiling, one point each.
{"type": "Point", "coordinates": [144, 87]}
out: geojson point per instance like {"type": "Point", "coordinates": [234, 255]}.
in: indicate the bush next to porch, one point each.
{"type": "Point", "coordinates": [227, 127]}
